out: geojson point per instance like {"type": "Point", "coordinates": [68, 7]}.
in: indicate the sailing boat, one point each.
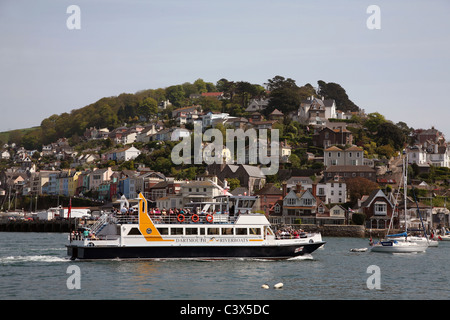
{"type": "Point", "coordinates": [400, 243]}
{"type": "Point", "coordinates": [414, 238]}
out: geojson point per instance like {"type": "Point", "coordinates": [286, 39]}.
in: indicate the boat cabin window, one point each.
{"type": "Point", "coordinates": [191, 231]}
{"type": "Point", "coordinates": [176, 231]}
{"type": "Point", "coordinates": [163, 231]}
{"type": "Point", "coordinates": [255, 231]}
{"type": "Point", "coordinates": [134, 231]}
{"type": "Point", "coordinates": [241, 231]}
{"type": "Point", "coordinates": [213, 231]}
{"type": "Point", "coordinates": [227, 231]}
{"type": "Point", "coordinates": [202, 231]}
{"type": "Point", "coordinates": [268, 231]}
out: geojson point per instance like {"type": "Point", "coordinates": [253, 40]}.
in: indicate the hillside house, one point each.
{"type": "Point", "coordinates": [327, 137]}
{"type": "Point", "coordinates": [334, 156]}
{"type": "Point", "coordinates": [315, 111]}
{"type": "Point", "coordinates": [124, 154]}
{"type": "Point", "coordinates": [378, 210]}
{"type": "Point", "coordinates": [349, 171]}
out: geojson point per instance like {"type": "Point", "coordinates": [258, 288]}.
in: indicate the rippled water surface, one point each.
{"type": "Point", "coordinates": [35, 265]}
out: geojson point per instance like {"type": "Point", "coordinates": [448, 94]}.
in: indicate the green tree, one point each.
{"type": "Point", "coordinates": [284, 95]}
{"type": "Point", "coordinates": [334, 91]}
{"type": "Point", "coordinates": [373, 121]}
{"type": "Point", "coordinates": [233, 183]}
{"type": "Point", "coordinates": [176, 95]}
{"type": "Point", "coordinates": [148, 107]}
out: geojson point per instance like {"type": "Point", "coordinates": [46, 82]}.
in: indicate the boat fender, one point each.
{"type": "Point", "coordinates": [265, 286]}
{"type": "Point", "coordinates": [180, 218]}
{"type": "Point", "coordinates": [209, 218]}
{"type": "Point", "coordinates": [195, 218]}
{"type": "Point", "coordinates": [279, 285]}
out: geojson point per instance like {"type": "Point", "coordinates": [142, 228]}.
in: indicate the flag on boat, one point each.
{"type": "Point", "coordinates": [69, 209]}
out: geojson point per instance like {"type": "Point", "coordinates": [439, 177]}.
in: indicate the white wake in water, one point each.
{"type": "Point", "coordinates": [303, 257]}
{"type": "Point", "coordinates": [39, 258]}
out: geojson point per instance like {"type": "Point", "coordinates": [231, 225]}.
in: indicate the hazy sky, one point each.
{"type": "Point", "coordinates": [401, 70]}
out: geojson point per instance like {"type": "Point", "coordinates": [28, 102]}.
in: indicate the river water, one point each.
{"type": "Point", "coordinates": [35, 266]}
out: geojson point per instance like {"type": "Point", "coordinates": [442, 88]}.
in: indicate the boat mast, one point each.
{"type": "Point", "coordinates": [405, 186]}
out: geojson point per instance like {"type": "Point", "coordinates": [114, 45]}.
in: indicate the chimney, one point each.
{"type": "Point", "coordinates": [299, 187]}
{"type": "Point", "coordinates": [314, 189]}
{"type": "Point", "coordinates": [284, 189]}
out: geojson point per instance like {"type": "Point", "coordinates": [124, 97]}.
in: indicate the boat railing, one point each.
{"type": "Point", "coordinates": [179, 219]}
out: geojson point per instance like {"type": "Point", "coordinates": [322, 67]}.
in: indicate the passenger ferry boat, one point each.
{"type": "Point", "coordinates": [229, 234]}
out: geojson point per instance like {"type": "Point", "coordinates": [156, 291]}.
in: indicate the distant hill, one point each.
{"type": "Point", "coordinates": [111, 112]}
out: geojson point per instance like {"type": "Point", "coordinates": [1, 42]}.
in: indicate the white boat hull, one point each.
{"type": "Point", "coordinates": [398, 247]}
{"type": "Point", "coordinates": [419, 240]}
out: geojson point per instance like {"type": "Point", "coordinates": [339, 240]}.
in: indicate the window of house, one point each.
{"type": "Point", "coordinates": [380, 208]}
{"type": "Point", "coordinates": [292, 201]}
{"type": "Point", "coordinates": [277, 209]}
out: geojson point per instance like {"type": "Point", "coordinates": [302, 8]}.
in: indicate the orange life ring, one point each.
{"type": "Point", "coordinates": [180, 218]}
{"type": "Point", "coordinates": [195, 218]}
{"type": "Point", "coordinates": [209, 218]}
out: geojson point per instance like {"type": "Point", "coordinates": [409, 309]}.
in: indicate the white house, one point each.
{"type": "Point", "coordinates": [211, 119]}
{"type": "Point", "coordinates": [124, 154]}
{"type": "Point", "coordinates": [436, 154]}
{"type": "Point", "coordinates": [5, 155]}
{"type": "Point", "coordinates": [199, 191]}
{"type": "Point", "coordinates": [315, 111]}
{"type": "Point", "coordinates": [336, 191]}
{"type": "Point", "coordinates": [257, 105]}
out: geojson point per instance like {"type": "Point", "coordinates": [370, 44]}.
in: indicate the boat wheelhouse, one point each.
{"type": "Point", "coordinates": [224, 229]}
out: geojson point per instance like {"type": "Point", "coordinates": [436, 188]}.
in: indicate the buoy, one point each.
{"type": "Point", "coordinates": [265, 286]}
{"type": "Point", "coordinates": [279, 285]}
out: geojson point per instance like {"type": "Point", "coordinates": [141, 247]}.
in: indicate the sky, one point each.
{"type": "Point", "coordinates": [400, 70]}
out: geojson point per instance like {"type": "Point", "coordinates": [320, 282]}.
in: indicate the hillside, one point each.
{"type": "Point", "coordinates": [127, 108]}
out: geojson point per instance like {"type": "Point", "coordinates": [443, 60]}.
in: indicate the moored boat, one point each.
{"type": "Point", "coordinates": [198, 236]}
{"type": "Point", "coordinates": [394, 246]}
{"type": "Point", "coordinates": [402, 243]}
